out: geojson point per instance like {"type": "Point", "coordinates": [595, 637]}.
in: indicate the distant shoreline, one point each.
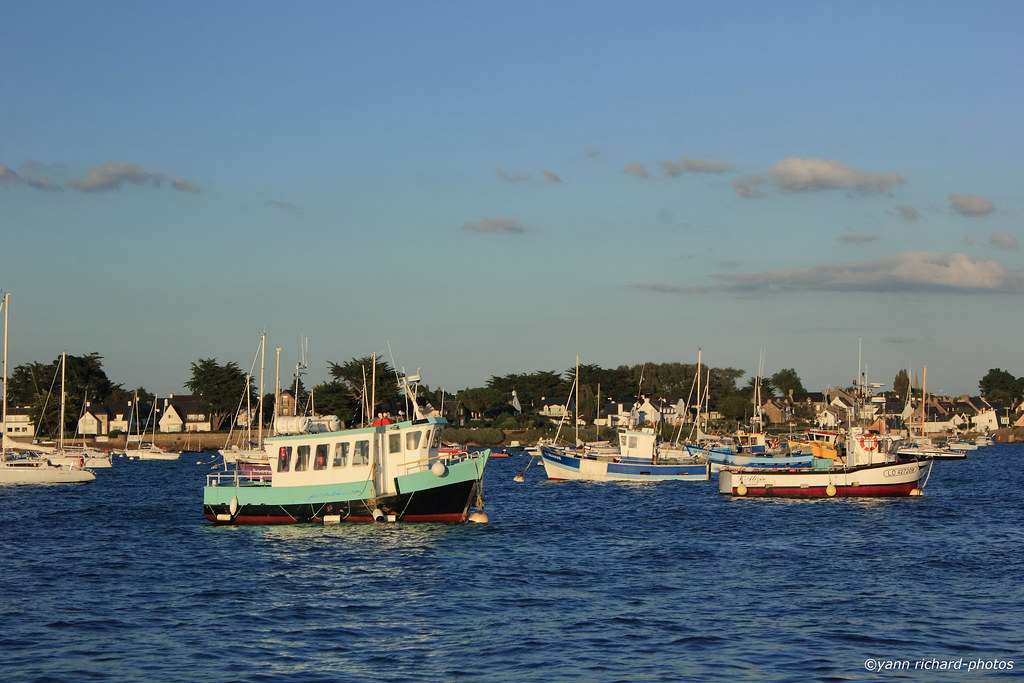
{"type": "Point", "coordinates": [212, 441]}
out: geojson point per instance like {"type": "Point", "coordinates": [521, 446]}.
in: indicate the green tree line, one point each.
{"type": "Point", "coordinates": [220, 389]}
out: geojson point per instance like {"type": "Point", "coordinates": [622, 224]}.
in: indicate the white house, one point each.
{"type": "Point", "coordinates": [986, 421]}
{"type": "Point", "coordinates": [19, 424]}
{"type": "Point", "coordinates": [182, 414]}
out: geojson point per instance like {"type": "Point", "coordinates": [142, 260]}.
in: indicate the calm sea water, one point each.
{"type": "Point", "coordinates": [123, 580]}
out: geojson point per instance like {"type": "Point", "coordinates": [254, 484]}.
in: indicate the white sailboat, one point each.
{"type": "Point", "coordinates": [147, 450]}
{"type": "Point", "coordinates": [253, 452]}
{"type": "Point", "coordinates": [31, 469]}
{"type": "Point", "coordinates": [921, 447]}
{"type": "Point", "coordinates": [74, 455]}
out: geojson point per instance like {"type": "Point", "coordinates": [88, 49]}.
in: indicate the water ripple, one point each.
{"type": "Point", "coordinates": [123, 580]}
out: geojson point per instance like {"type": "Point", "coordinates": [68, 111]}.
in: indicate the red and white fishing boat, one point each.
{"type": "Point", "coordinates": [868, 466]}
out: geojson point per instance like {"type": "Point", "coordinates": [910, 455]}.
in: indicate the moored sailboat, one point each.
{"type": "Point", "coordinates": [31, 468]}
{"type": "Point", "coordinates": [640, 456]}
{"type": "Point", "coordinates": [147, 450]}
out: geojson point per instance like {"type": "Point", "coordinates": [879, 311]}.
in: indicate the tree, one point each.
{"type": "Point", "coordinates": [335, 398]}
{"type": "Point", "coordinates": [786, 380]}
{"type": "Point", "coordinates": [735, 407]}
{"type": "Point", "coordinates": [217, 388]}
{"type": "Point", "coordinates": [1000, 386]}
{"type": "Point", "coordinates": [482, 400]}
{"type": "Point", "coordinates": [38, 385]}
{"type": "Point", "coordinates": [767, 388]}
{"type": "Point", "coordinates": [356, 378]}
{"type": "Point", "coordinates": [901, 384]}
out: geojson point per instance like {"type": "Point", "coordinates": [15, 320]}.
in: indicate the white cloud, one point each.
{"type": "Point", "coordinates": [970, 205]}
{"type": "Point", "coordinates": [551, 177]}
{"type": "Point", "coordinates": [749, 187]}
{"type": "Point", "coordinates": [635, 169]}
{"type": "Point", "coordinates": [29, 176]}
{"type": "Point", "coordinates": [494, 225]}
{"type": "Point", "coordinates": [793, 175]}
{"type": "Point", "coordinates": [182, 185]}
{"type": "Point", "coordinates": [905, 213]}
{"type": "Point", "coordinates": [110, 176]}
{"type": "Point", "coordinates": [672, 169]}
{"type": "Point", "coordinates": [856, 240]}
{"type": "Point", "coordinates": [512, 178]}
{"type": "Point", "coordinates": [669, 289]}
{"type": "Point", "coordinates": [1004, 241]}
{"type": "Point", "coordinates": [913, 271]}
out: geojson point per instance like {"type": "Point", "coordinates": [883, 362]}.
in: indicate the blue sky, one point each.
{"type": "Point", "coordinates": [491, 188]}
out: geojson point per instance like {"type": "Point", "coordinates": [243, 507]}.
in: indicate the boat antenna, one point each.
{"type": "Point", "coordinates": [399, 378]}
{"type": "Point", "coordinates": [277, 390]}
{"type": "Point", "coordinates": [300, 369]}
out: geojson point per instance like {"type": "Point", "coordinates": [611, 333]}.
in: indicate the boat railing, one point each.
{"type": "Point", "coordinates": [237, 478]}
{"type": "Point", "coordinates": [447, 456]}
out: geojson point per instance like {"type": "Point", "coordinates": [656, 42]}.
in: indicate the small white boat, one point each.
{"type": "Point", "coordinates": [39, 470]}
{"type": "Point", "coordinates": [151, 452]}
{"type": "Point", "coordinates": [638, 459]}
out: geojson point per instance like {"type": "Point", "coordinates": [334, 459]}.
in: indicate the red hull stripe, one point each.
{"type": "Point", "coordinates": [820, 492]}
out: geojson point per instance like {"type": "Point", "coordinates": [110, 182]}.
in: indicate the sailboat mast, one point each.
{"type": "Point", "coordinates": [259, 403]}
{"type": "Point", "coordinates": [700, 398]}
{"type": "Point", "coordinates": [3, 436]}
{"type": "Point", "coordinates": [924, 402]}
{"type": "Point", "coordinates": [63, 365]}
{"type": "Point", "coordinates": [373, 387]}
{"type": "Point", "coordinates": [577, 399]}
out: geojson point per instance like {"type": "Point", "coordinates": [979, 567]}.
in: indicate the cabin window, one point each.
{"type": "Point", "coordinates": [435, 438]}
{"type": "Point", "coordinates": [394, 443]}
{"type": "Point", "coordinates": [320, 459]}
{"type": "Point", "coordinates": [412, 441]}
{"type": "Point", "coordinates": [283, 456]}
{"type": "Point", "coordinates": [302, 459]}
{"type": "Point", "coordinates": [361, 456]}
{"type": "Point", "coordinates": [340, 455]}
{"type": "Point", "coordinates": [632, 442]}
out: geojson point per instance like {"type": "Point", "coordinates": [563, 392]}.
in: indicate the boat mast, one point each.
{"type": "Point", "coordinates": [277, 391]}
{"type": "Point", "coordinates": [3, 435]}
{"type": "Point", "coordinates": [924, 402]}
{"type": "Point", "coordinates": [700, 398]}
{"type": "Point", "coordinates": [577, 399]}
{"type": "Point", "coordinates": [60, 430]}
{"type": "Point", "coordinates": [259, 403]}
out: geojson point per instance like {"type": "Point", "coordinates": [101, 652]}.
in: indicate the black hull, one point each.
{"type": "Point", "coordinates": [442, 504]}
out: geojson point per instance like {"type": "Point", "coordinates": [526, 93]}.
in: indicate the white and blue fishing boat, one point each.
{"type": "Point", "coordinates": [391, 471]}
{"type": "Point", "coordinates": [638, 460]}
{"type": "Point", "coordinates": [721, 458]}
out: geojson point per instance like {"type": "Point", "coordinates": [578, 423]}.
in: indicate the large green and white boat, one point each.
{"type": "Point", "coordinates": [390, 471]}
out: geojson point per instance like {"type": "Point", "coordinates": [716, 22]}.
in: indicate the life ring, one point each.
{"type": "Point", "coordinates": [869, 442]}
